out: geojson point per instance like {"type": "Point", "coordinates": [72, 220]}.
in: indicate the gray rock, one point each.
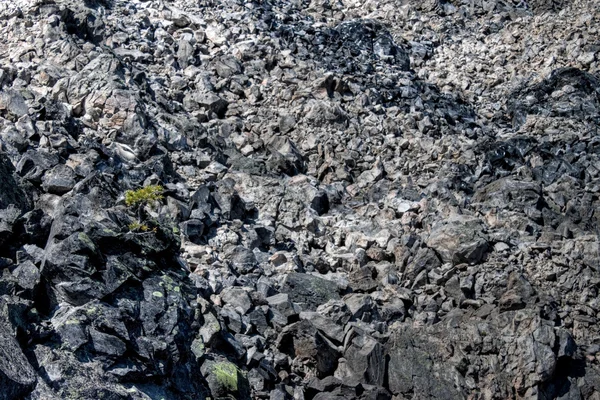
{"type": "Point", "coordinates": [228, 66]}
{"type": "Point", "coordinates": [361, 306]}
{"type": "Point", "coordinates": [17, 376]}
{"type": "Point", "coordinates": [193, 230]}
{"type": "Point", "coordinates": [238, 298]}
{"type": "Point", "coordinates": [8, 219]}
{"type": "Point", "coordinates": [211, 102]}
{"type": "Point", "coordinates": [535, 100]}
{"type": "Point", "coordinates": [286, 158]}
{"type": "Point", "coordinates": [107, 344]}
{"type": "Point", "coordinates": [365, 362]}
{"type": "Point", "coordinates": [27, 274]}
{"type": "Point", "coordinates": [281, 302]}
{"type": "Point", "coordinates": [10, 192]}
{"type": "Point", "coordinates": [415, 367]}
{"type": "Point", "coordinates": [304, 341]}
{"type": "Point", "coordinates": [286, 123]}
{"type": "Point", "coordinates": [424, 261]}
{"type": "Point", "coordinates": [13, 102]}
{"type": "Point", "coordinates": [325, 325]}
{"type": "Point", "coordinates": [459, 241]}
{"type": "Point", "coordinates": [59, 179]}
{"type": "Point", "coordinates": [519, 292]}
{"type": "Point", "coordinates": [309, 291]}
{"type": "Point", "coordinates": [509, 193]}
{"type": "Point", "coordinates": [308, 151]}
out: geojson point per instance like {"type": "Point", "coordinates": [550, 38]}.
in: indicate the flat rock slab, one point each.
{"type": "Point", "coordinates": [309, 291]}
{"type": "Point", "coordinates": [415, 366]}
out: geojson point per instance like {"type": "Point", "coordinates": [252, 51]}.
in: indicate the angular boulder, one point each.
{"type": "Point", "coordinates": [17, 376]}
{"type": "Point", "coordinates": [459, 240]}
{"type": "Point", "coordinates": [10, 192]}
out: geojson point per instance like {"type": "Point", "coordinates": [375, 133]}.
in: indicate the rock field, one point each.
{"type": "Point", "coordinates": [357, 199]}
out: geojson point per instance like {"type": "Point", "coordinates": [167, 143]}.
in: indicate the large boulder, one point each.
{"type": "Point", "coordinates": [309, 291]}
{"type": "Point", "coordinates": [509, 193]}
{"type": "Point", "coordinates": [363, 363]}
{"type": "Point", "coordinates": [10, 192]}
{"type": "Point", "coordinates": [417, 365]}
{"type": "Point", "coordinates": [302, 340]}
{"type": "Point", "coordinates": [17, 376]}
{"type": "Point", "coordinates": [226, 380]}
{"type": "Point", "coordinates": [459, 240]}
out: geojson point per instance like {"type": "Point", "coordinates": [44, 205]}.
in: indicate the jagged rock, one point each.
{"type": "Point", "coordinates": [27, 274]}
{"type": "Point", "coordinates": [304, 341]}
{"type": "Point", "coordinates": [106, 344]}
{"type": "Point", "coordinates": [281, 302]}
{"type": "Point", "coordinates": [242, 259]}
{"type": "Point", "coordinates": [11, 193]}
{"type": "Point", "coordinates": [286, 158]}
{"type": "Point", "coordinates": [17, 376]}
{"type": "Point", "coordinates": [8, 219]}
{"type": "Point", "coordinates": [320, 203]}
{"type": "Point", "coordinates": [364, 362]}
{"type": "Point", "coordinates": [424, 261]}
{"type": "Point", "coordinates": [415, 367]}
{"type": "Point", "coordinates": [286, 123]}
{"type": "Point", "coordinates": [508, 193]}
{"type": "Point", "coordinates": [208, 101]}
{"type": "Point", "coordinates": [518, 293]}
{"type": "Point", "coordinates": [13, 104]}
{"type": "Point", "coordinates": [193, 230]}
{"type": "Point", "coordinates": [238, 298]}
{"type": "Point", "coordinates": [459, 241]}
{"type": "Point", "coordinates": [325, 325]}
{"type": "Point", "coordinates": [59, 179]}
{"type": "Point", "coordinates": [403, 196]}
{"type": "Point", "coordinates": [361, 306]}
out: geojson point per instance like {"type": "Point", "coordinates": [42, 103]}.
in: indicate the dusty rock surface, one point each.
{"type": "Point", "coordinates": [359, 199]}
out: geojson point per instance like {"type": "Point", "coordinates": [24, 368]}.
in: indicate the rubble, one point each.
{"type": "Point", "coordinates": [357, 199]}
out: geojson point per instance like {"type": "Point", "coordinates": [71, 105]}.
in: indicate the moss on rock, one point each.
{"type": "Point", "coordinates": [227, 375]}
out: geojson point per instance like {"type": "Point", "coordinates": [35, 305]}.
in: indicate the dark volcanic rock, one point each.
{"type": "Point", "coordinates": [415, 367]}
{"type": "Point", "coordinates": [364, 362]}
{"type": "Point", "coordinates": [567, 92]}
{"type": "Point", "coordinates": [225, 379]}
{"type": "Point", "coordinates": [299, 200]}
{"type": "Point", "coordinates": [309, 291]}
{"type": "Point", "coordinates": [17, 376]}
{"type": "Point", "coordinates": [10, 191]}
{"type": "Point", "coordinates": [367, 36]}
{"type": "Point", "coordinates": [304, 341]}
{"type": "Point", "coordinates": [459, 240]}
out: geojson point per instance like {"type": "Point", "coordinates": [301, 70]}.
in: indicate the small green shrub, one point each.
{"type": "Point", "coordinates": [136, 226]}
{"type": "Point", "coordinates": [136, 199]}
{"type": "Point", "coordinates": [145, 195]}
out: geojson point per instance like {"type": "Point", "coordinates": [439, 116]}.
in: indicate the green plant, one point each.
{"type": "Point", "coordinates": [136, 226]}
{"type": "Point", "coordinates": [135, 199]}
{"type": "Point", "coordinates": [145, 195]}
